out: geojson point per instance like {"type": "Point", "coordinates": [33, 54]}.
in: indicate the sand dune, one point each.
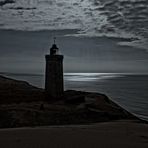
{"type": "Point", "coordinates": [126, 134]}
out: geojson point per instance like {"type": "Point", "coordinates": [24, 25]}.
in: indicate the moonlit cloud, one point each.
{"type": "Point", "coordinates": [114, 18]}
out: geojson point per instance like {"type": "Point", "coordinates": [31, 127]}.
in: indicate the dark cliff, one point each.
{"type": "Point", "coordinates": [22, 104]}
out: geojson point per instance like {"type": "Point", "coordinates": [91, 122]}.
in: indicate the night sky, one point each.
{"type": "Point", "coordinates": [94, 35]}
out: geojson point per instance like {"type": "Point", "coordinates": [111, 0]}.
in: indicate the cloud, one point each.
{"type": "Point", "coordinates": [112, 18]}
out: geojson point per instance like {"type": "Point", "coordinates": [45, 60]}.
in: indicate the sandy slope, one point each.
{"type": "Point", "coordinates": [126, 134]}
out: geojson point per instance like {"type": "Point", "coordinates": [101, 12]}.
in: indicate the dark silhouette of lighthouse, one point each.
{"type": "Point", "coordinates": [54, 87]}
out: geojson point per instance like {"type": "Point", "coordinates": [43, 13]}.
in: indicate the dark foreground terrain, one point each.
{"type": "Point", "coordinates": [24, 105]}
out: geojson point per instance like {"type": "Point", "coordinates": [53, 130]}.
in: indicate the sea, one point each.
{"type": "Point", "coordinates": [128, 90]}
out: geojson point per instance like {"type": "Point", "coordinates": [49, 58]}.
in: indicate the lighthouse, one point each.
{"type": "Point", "coordinates": [54, 86]}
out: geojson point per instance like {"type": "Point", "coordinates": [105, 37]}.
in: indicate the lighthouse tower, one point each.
{"type": "Point", "coordinates": [54, 87]}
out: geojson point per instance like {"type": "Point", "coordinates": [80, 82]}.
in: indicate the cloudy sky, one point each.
{"type": "Point", "coordinates": [94, 35]}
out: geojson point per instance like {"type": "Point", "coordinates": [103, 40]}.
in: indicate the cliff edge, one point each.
{"type": "Point", "coordinates": [22, 104]}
